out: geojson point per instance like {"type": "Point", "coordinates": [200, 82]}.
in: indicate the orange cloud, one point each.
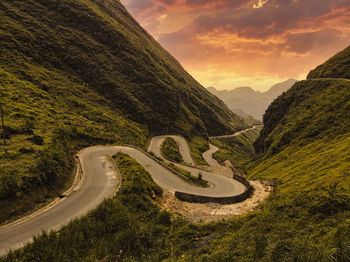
{"type": "Point", "coordinates": [253, 42]}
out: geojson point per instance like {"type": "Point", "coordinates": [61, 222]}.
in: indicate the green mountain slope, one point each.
{"type": "Point", "coordinates": [78, 73]}
{"type": "Point", "coordinates": [310, 110]}
{"type": "Point", "coordinates": [99, 45]}
{"type": "Point", "coordinates": [304, 150]}
{"type": "Point", "coordinates": [336, 67]}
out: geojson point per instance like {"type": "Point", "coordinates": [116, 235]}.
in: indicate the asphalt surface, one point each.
{"type": "Point", "coordinates": [99, 183]}
{"type": "Point", "coordinates": [221, 186]}
{"type": "Point", "coordinates": [208, 155]}
{"type": "Point", "coordinates": [237, 133]}
{"type": "Point", "coordinates": [157, 141]}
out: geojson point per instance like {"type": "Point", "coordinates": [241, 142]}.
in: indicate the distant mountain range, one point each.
{"type": "Point", "coordinates": [245, 101]}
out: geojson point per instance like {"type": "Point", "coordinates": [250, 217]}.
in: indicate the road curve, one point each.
{"type": "Point", "coordinates": [208, 155]}
{"type": "Point", "coordinates": [222, 186]}
{"type": "Point", "coordinates": [236, 133]}
{"type": "Point", "coordinates": [100, 182]}
{"type": "Point", "coordinates": [156, 145]}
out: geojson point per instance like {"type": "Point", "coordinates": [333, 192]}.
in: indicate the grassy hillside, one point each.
{"type": "Point", "coordinates": [303, 148]}
{"type": "Point", "coordinates": [79, 73]}
{"type": "Point", "coordinates": [238, 149]}
{"type": "Point", "coordinates": [44, 129]}
{"type": "Point", "coordinates": [307, 218]}
{"type": "Point", "coordinates": [310, 110]}
{"type": "Point", "coordinates": [336, 67]}
{"type": "Point", "coordinates": [97, 44]}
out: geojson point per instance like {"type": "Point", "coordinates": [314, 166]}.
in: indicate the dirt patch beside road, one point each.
{"type": "Point", "coordinates": [195, 212]}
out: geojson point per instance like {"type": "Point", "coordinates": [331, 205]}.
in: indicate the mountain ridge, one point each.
{"type": "Point", "coordinates": [250, 101]}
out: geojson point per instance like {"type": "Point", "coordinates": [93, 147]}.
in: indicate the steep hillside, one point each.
{"type": "Point", "coordinates": [310, 110]}
{"type": "Point", "coordinates": [97, 44]}
{"type": "Point", "coordinates": [304, 151]}
{"type": "Point", "coordinates": [78, 73]}
{"type": "Point", "coordinates": [251, 102]}
{"type": "Point", "coordinates": [336, 67]}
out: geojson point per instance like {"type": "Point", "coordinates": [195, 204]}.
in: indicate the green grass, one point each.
{"type": "Point", "coordinates": [170, 149]}
{"type": "Point", "coordinates": [84, 72]}
{"type": "Point", "coordinates": [306, 218]}
{"type": "Point", "coordinates": [99, 45]}
{"type": "Point", "coordinates": [67, 119]}
{"type": "Point", "coordinates": [131, 222]}
{"type": "Point", "coordinates": [238, 149]}
{"type": "Point", "coordinates": [336, 67]}
{"type": "Point", "coordinates": [198, 146]}
{"type": "Point", "coordinates": [303, 147]}
{"type": "Point", "coordinates": [309, 111]}
{"type": "Point", "coordinates": [194, 180]}
{"type": "Point", "coordinates": [184, 174]}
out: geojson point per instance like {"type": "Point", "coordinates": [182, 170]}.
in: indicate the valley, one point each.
{"type": "Point", "coordinates": [99, 179]}
{"type": "Point", "coordinates": [111, 151]}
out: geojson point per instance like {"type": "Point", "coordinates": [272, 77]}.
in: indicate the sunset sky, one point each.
{"type": "Point", "coordinates": [231, 43]}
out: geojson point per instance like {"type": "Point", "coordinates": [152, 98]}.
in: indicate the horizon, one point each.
{"type": "Point", "coordinates": [256, 43]}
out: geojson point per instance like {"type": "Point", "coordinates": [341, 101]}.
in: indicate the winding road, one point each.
{"type": "Point", "coordinates": [222, 186]}
{"type": "Point", "coordinates": [99, 181]}
{"type": "Point", "coordinates": [156, 145]}
{"type": "Point", "coordinates": [208, 155]}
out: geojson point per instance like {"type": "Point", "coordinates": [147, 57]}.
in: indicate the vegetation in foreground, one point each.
{"type": "Point", "coordinates": [43, 131]}
{"type": "Point", "coordinates": [188, 177]}
{"type": "Point", "coordinates": [303, 147]}
{"type": "Point", "coordinates": [306, 220]}
{"type": "Point", "coordinates": [130, 227]}
{"type": "Point", "coordinates": [170, 149]}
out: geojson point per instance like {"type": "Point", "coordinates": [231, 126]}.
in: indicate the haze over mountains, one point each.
{"type": "Point", "coordinates": [246, 101]}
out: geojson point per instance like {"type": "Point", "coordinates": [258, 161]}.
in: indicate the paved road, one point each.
{"type": "Point", "coordinates": [157, 141]}
{"type": "Point", "coordinates": [208, 155]}
{"type": "Point", "coordinates": [99, 183]}
{"type": "Point", "coordinates": [222, 186]}
{"type": "Point", "coordinates": [237, 133]}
